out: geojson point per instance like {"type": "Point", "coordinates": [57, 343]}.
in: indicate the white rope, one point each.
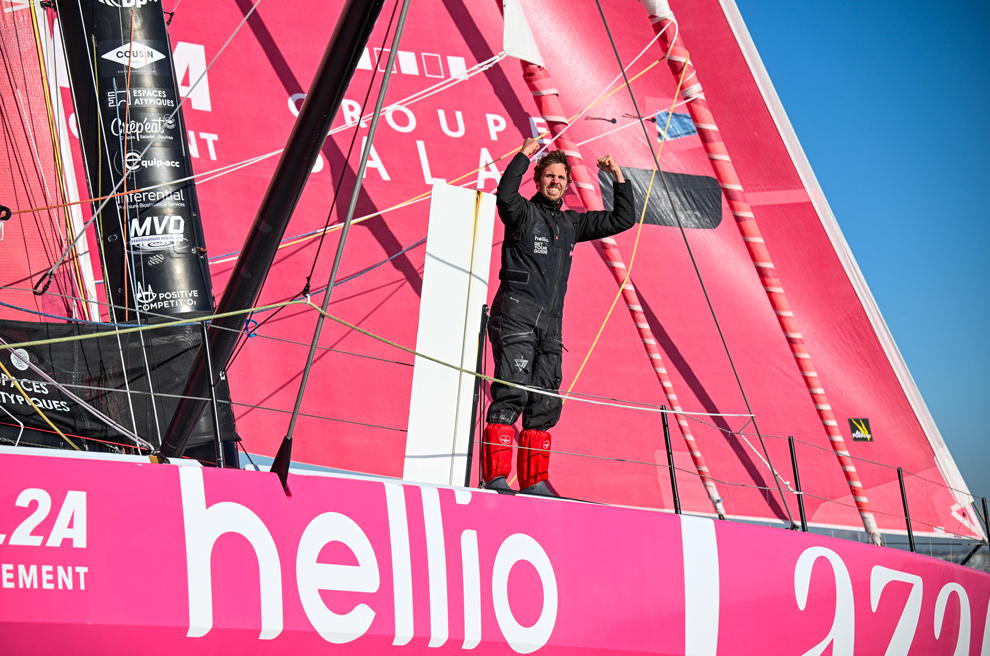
{"type": "Point", "coordinates": [600, 95]}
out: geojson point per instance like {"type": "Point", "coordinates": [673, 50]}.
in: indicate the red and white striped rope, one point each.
{"type": "Point", "coordinates": [678, 59]}
{"type": "Point", "coordinates": [539, 82]}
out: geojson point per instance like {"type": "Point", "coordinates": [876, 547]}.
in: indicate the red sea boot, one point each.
{"type": "Point", "coordinates": [533, 463]}
{"type": "Point", "coordinates": [496, 460]}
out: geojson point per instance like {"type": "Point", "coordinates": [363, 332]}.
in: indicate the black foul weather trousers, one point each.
{"type": "Point", "coordinates": [527, 351]}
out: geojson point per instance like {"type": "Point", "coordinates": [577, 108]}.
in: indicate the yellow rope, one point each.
{"type": "Point", "coordinates": [639, 231]}
{"type": "Point", "coordinates": [155, 326]}
{"type": "Point", "coordinates": [75, 268]}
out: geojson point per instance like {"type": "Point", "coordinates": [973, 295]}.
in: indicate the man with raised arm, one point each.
{"type": "Point", "coordinates": [527, 313]}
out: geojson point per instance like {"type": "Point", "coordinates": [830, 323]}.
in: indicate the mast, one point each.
{"type": "Point", "coordinates": [662, 19]}
{"type": "Point", "coordinates": [134, 145]}
{"type": "Point", "coordinates": [353, 28]}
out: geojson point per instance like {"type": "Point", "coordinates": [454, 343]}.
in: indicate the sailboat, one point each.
{"type": "Point", "coordinates": [733, 319]}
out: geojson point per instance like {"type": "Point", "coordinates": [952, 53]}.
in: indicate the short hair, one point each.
{"type": "Point", "coordinates": [553, 157]}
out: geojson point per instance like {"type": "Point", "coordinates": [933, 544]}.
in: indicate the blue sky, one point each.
{"type": "Point", "coordinates": [891, 103]}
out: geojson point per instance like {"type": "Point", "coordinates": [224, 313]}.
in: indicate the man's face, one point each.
{"type": "Point", "coordinates": [553, 182]}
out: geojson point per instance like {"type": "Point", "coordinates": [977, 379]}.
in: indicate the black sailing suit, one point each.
{"type": "Point", "coordinates": [527, 313]}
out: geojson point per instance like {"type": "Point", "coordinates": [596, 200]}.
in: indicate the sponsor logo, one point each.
{"type": "Point", "coordinates": [144, 97]}
{"type": "Point", "coordinates": [860, 429]}
{"type": "Point", "coordinates": [133, 162]}
{"type": "Point", "coordinates": [134, 55]}
{"type": "Point", "coordinates": [504, 439]}
{"type": "Point", "coordinates": [127, 4]}
{"type": "Point", "coordinates": [521, 363]}
{"type": "Point", "coordinates": [20, 359]}
{"type": "Point", "coordinates": [316, 581]}
{"type": "Point", "coordinates": [14, 391]}
{"type": "Point", "coordinates": [155, 198]}
{"type": "Point", "coordinates": [156, 233]}
{"type": "Point", "coordinates": [540, 245]}
{"type": "Point", "coordinates": [149, 300]}
{"type": "Point", "coordinates": [546, 444]}
{"type": "Point", "coordinates": [145, 129]}
{"type": "Point", "coordinates": [145, 294]}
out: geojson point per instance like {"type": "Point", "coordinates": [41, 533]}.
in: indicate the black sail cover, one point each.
{"type": "Point", "coordinates": [132, 378]}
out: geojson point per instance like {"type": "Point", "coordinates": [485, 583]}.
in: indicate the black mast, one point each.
{"type": "Point", "coordinates": [354, 26]}
{"type": "Point", "coordinates": [134, 140]}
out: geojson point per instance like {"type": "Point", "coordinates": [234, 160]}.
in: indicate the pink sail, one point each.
{"type": "Point", "coordinates": [357, 406]}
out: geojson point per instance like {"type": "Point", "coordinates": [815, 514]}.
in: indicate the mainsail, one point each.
{"type": "Point", "coordinates": [458, 109]}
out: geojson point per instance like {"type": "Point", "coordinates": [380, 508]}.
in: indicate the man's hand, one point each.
{"type": "Point", "coordinates": [606, 163]}
{"type": "Point", "coordinates": [529, 147]}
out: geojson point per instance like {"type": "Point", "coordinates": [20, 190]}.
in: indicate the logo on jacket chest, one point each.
{"type": "Point", "coordinates": [540, 245]}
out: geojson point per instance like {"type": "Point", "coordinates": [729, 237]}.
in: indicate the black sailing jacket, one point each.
{"type": "Point", "coordinates": [539, 242]}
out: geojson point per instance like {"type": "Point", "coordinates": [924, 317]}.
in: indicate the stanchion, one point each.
{"type": "Point", "coordinates": [907, 513]}
{"type": "Point", "coordinates": [213, 396]}
{"type": "Point", "coordinates": [797, 485]}
{"type": "Point", "coordinates": [477, 393]}
{"type": "Point", "coordinates": [670, 460]}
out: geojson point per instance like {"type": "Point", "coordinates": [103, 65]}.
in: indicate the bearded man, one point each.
{"type": "Point", "coordinates": [527, 313]}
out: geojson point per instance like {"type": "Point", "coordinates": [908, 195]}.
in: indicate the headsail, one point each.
{"type": "Point", "coordinates": [455, 113]}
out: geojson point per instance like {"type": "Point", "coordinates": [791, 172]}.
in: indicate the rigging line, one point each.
{"type": "Point", "coordinates": [15, 85]}
{"type": "Point", "coordinates": [86, 406]}
{"type": "Point", "coordinates": [178, 106]}
{"type": "Point", "coordinates": [223, 170]}
{"type": "Point", "coordinates": [33, 142]}
{"type": "Point", "coordinates": [130, 273]}
{"type": "Point", "coordinates": [36, 408]}
{"type": "Point", "coordinates": [492, 379]}
{"type": "Point", "coordinates": [539, 82]}
{"type": "Point", "coordinates": [874, 463]}
{"type": "Point", "coordinates": [317, 291]}
{"type": "Point", "coordinates": [123, 180]}
{"type": "Point", "coordinates": [350, 150]}
{"type": "Point", "coordinates": [605, 94]}
{"type": "Point", "coordinates": [49, 115]}
{"type": "Point", "coordinates": [84, 282]}
{"type": "Point", "coordinates": [156, 326]}
{"type": "Point", "coordinates": [321, 417]}
{"type": "Point", "coordinates": [680, 225]}
{"type": "Point", "coordinates": [628, 125]}
{"type": "Point", "coordinates": [298, 239]}
{"type": "Point", "coordinates": [632, 260]}
{"type": "Point", "coordinates": [756, 248]}
{"type": "Point", "coordinates": [130, 253]}
{"type": "Point", "coordinates": [81, 438]}
{"type": "Point", "coordinates": [98, 225]}
{"type": "Point", "coordinates": [393, 51]}
{"type": "Point", "coordinates": [232, 404]}
{"type": "Point", "coordinates": [320, 289]}
{"type": "Point", "coordinates": [140, 328]}
{"type": "Point", "coordinates": [214, 173]}
{"type": "Point", "coordinates": [20, 423]}
{"type": "Point", "coordinates": [423, 94]}
{"type": "Point", "coordinates": [39, 170]}
{"type": "Point", "coordinates": [375, 266]}
{"type": "Point", "coordinates": [609, 249]}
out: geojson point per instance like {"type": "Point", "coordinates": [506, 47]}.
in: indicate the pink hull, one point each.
{"type": "Point", "coordinates": [95, 557]}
